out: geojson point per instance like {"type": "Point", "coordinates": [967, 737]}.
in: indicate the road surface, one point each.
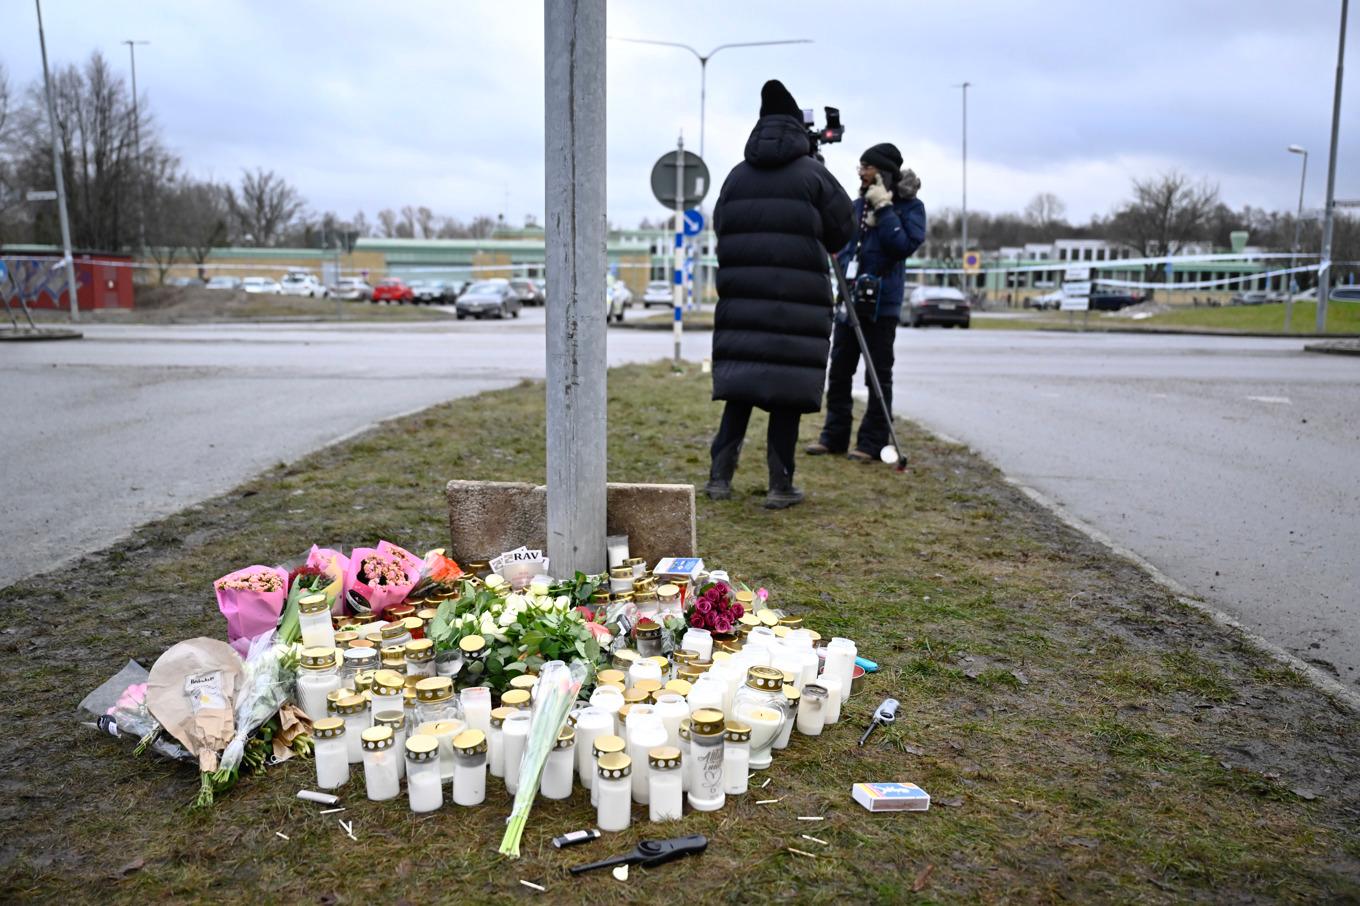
{"type": "Point", "coordinates": [1229, 463]}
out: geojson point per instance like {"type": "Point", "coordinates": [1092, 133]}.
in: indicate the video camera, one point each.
{"type": "Point", "coordinates": [832, 132]}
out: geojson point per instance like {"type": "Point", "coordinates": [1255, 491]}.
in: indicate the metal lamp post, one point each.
{"type": "Point", "coordinates": [137, 144]}
{"type": "Point", "coordinates": [1294, 250]}
{"type": "Point", "coordinates": [964, 251]}
{"type": "Point", "coordinates": [703, 91]}
{"type": "Point", "coordinates": [1329, 211]}
{"type": "Point", "coordinates": [57, 170]}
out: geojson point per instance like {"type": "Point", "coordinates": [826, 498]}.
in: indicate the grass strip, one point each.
{"type": "Point", "coordinates": [1083, 736]}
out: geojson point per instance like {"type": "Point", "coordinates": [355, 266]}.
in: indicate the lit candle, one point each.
{"type": "Point", "coordinates": [443, 731]}
{"type": "Point", "coordinates": [832, 685]}
{"type": "Point", "coordinates": [765, 724]}
{"type": "Point", "coordinates": [476, 702]}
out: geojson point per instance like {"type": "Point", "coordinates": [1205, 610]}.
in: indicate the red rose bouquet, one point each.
{"type": "Point", "coordinates": [714, 609]}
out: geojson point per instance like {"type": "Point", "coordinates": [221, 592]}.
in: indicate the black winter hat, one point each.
{"type": "Point", "coordinates": [775, 99]}
{"type": "Point", "coordinates": [884, 156]}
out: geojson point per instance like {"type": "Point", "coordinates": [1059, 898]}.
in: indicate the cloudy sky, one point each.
{"type": "Point", "coordinates": [371, 105]}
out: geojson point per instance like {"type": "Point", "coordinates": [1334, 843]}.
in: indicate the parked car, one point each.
{"type": "Point", "coordinates": [352, 288]}
{"type": "Point", "coordinates": [224, 283]}
{"type": "Point", "coordinates": [302, 283]}
{"type": "Point", "coordinates": [1112, 301]}
{"type": "Point", "coordinates": [942, 305]}
{"type": "Point", "coordinates": [542, 289]}
{"type": "Point", "coordinates": [393, 289]}
{"type": "Point", "coordinates": [1251, 298]}
{"type": "Point", "coordinates": [184, 281]}
{"type": "Point", "coordinates": [527, 291]}
{"type": "Point", "coordinates": [489, 297]}
{"type": "Point", "coordinates": [258, 285]}
{"type": "Point", "coordinates": [1345, 294]}
{"type": "Point", "coordinates": [432, 292]}
{"type": "Point", "coordinates": [658, 292]}
{"type": "Point", "coordinates": [1047, 301]}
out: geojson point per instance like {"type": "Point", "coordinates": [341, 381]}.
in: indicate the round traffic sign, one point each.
{"type": "Point", "coordinates": [694, 222]}
{"type": "Point", "coordinates": [695, 178]}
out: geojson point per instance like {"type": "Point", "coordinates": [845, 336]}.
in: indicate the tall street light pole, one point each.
{"type": "Point", "coordinates": [703, 98]}
{"type": "Point", "coordinates": [1294, 250]}
{"type": "Point", "coordinates": [71, 289]}
{"type": "Point", "coordinates": [137, 143]}
{"type": "Point", "coordinates": [1329, 211]}
{"type": "Point", "coordinates": [965, 86]}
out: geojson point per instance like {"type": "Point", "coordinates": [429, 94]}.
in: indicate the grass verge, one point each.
{"type": "Point", "coordinates": [1343, 319]}
{"type": "Point", "coordinates": [193, 305]}
{"type": "Point", "coordinates": [1084, 736]}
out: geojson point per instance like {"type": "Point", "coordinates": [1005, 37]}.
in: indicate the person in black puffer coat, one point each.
{"type": "Point", "coordinates": [777, 215]}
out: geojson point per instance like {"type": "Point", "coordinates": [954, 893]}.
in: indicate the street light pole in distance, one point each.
{"type": "Point", "coordinates": [964, 239]}
{"type": "Point", "coordinates": [57, 170]}
{"type": "Point", "coordinates": [1294, 249]}
{"type": "Point", "coordinates": [1329, 210]}
{"type": "Point", "coordinates": [137, 143]}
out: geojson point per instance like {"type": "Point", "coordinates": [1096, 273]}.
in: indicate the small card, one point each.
{"type": "Point", "coordinates": [891, 797]}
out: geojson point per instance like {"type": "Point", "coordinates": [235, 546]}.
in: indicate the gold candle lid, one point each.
{"type": "Point", "coordinates": [472, 645]}
{"type": "Point", "coordinates": [523, 681]}
{"type": "Point", "coordinates": [318, 658]}
{"type": "Point", "coordinates": [394, 657]}
{"type": "Point", "coordinates": [707, 722]}
{"type": "Point", "coordinates": [678, 685]}
{"type": "Point", "coordinates": [392, 631]}
{"type": "Point", "coordinates": [345, 637]}
{"type": "Point", "coordinates": [615, 765]}
{"type": "Point", "coordinates": [736, 731]}
{"type": "Point", "coordinates": [745, 598]}
{"type": "Point", "coordinates": [515, 698]}
{"type": "Point", "coordinates": [621, 572]}
{"type": "Point", "coordinates": [470, 742]}
{"type": "Point", "coordinates": [375, 739]}
{"type": "Point", "coordinates": [661, 661]}
{"type": "Point", "coordinates": [768, 617]}
{"type": "Point", "coordinates": [389, 682]}
{"type": "Point", "coordinates": [608, 743]}
{"type": "Point", "coordinates": [604, 677]}
{"type": "Point", "coordinates": [498, 715]}
{"type": "Point", "coordinates": [766, 679]}
{"type": "Point", "coordinates": [566, 739]}
{"type": "Point", "coordinates": [664, 758]}
{"type": "Point", "coordinates": [394, 719]}
{"type": "Point", "coordinates": [435, 689]}
{"type": "Point", "coordinates": [669, 590]}
{"type": "Point", "coordinates": [792, 693]}
{"type": "Point", "coordinates": [635, 695]}
{"type": "Point", "coordinates": [400, 612]}
{"type": "Point", "coordinates": [419, 650]}
{"type": "Point", "coordinates": [420, 748]}
{"type": "Point", "coordinates": [328, 728]}
{"type": "Point", "coordinates": [646, 686]}
{"type": "Point", "coordinates": [314, 603]}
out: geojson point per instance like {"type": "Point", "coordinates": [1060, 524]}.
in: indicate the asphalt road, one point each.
{"type": "Point", "coordinates": [1229, 463]}
{"type": "Point", "coordinates": [136, 422]}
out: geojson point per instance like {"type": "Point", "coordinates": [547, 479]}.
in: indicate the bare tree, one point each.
{"type": "Point", "coordinates": [360, 225]}
{"type": "Point", "coordinates": [387, 218]}
{"type": "Point", "coordinates": [1166, 212]}
{"type": "Point", "coordinates": [11, 197]}
{"type": "Point", "coordinates": [264, 207]}
{"type": "Point", "coordinates": [206, 221]}
{"type": "Point", "coordinates": [1045, 210]}
{"type": "Point", "coordinates": [425, 222]}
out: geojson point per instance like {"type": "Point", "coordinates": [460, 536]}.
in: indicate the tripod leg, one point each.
{"type": "Point", "coordinates": [853, 318]}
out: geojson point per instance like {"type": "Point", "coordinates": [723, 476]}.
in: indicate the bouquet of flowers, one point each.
{"type": "Point", "coordinates": [380, 577]}
{"type": "Point", "coordinates": [523, 631]}
{"type": "Point", "coordinates": [307, 580]}
{"type": "Point", "coordinates": [321, 560]}
{"type": "Point", "coordinates": [252, 600]}
{"type": "Point", "coordinates": [714, 609]}
{"type": "Point", "coordinates": [439, 577]}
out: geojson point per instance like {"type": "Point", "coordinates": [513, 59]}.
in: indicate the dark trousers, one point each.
{"type": "Point", "coordinates": [780, 442]}
{"type": "Point", "coordinates": [873, 430]}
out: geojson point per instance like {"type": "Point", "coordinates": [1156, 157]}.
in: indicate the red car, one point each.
{"type": "Point", "coordinates": [393, 289]}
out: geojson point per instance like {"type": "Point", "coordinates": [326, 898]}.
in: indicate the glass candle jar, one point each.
{"type": "Point", "coordinates": [394, 635]}
{"type": "Point", "coordinates": [840, 663]}
{"type": "Point", "coordinates": [443, 731]}
{"type": "Point", "coordinates": [314, 619]}
{"type": "Point", "coordinates": [317, 677]}
{"type": "Point", "coordinates": [448, 663]}
{"type": "Point", "coordinates": [760, 703]}
{"type": "Point", "coordinates": [515, 699]}
{"type": "Point", "coordinates": [344, 637]}
{"type": "Point", "coordinates": [614, 809]}
{"type": "Point", "coordinates": [700, 641]}
{"type": "Point", "coordinates": [353, 709]}
{"type": "Point", "coordinates": [707, 692]}
{"type": "Point", "coordinates": [329, 751]}
{"type": "Point", "coordinates": [556, 782]}
{"type": "Point", "coordinates": [811, 710]}
{"type": "Point", "coordinates": [620, 580]}
{"type": "Point", "coordinates": [684, 753]}
{"type": "Point", "coordinates": [355, 660]}
{"type": "Point", "coordinates": [645, 732]}
{"type": "Point", "coordinates": [435, 701]}
{"type": "Point", "coordinates": [672, 708]}
{"type": "Point", "coordinates": [495, 742]}
{"type": "Point", "coordinates": [643, 669]}
{"type": "Point", "coordinates": [832, 685]}
{"type": "Point", "coordinates": [469, 780]}
{"type": "Point", "coordinates": [647, 637]}
{"type": "Point", "coordinates": [515, 732]}
{"type": "Point", "coordinates": [791, 698]}
{"type": "Point", "coordinates": [666, 795]}
{"type": "Point", "coordinates": [380, 764]}
{"type": "Point", "coordinates": [591, 723]}
{"type": "Point", "coordinates": [394, 720]}
{"type": "Point", "coordinates": [668, 600]}
{"type": "Point", "coordinates": [706, 761]}
{"type": "Point", "coordinates": [388, 688]}
{"type": "Point", "coordinates": [476, 702]}
{"type": "Point", "coordinates": [604, 744]}
{"type": "Point", "coordinates": [736, 757]}
{"type": "Point", "coordinates": [393, 659]}
{"type": "Point", "coordinates": [424, 788]}
{"type": "Point", "coordinates": [609, 700]}
{"type": "Point", "coordinates": [420, 658]}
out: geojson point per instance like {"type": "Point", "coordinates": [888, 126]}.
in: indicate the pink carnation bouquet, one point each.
{"type": "Point", "coordinates": [714, 609]}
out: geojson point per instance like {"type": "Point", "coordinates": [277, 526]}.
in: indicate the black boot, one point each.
{"type": "Point", "coordinates": [782, 493]}
{"type": "Point", "coordinates": [720, 474]}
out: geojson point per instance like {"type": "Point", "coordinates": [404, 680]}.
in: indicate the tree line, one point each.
{"type": "Point", "coordinates": [127, 190]}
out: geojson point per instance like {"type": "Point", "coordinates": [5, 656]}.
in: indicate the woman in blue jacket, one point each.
{"type": "Point", "coordinates": [890, 225]}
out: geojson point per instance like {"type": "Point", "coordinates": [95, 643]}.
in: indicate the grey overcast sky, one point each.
{"type": "Point", "coordinates": [365, 105]}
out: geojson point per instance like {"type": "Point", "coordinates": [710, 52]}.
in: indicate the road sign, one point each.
{"type": "Point", "coordinates": [1076, 293]}
{"type": "Point", "coordinates": [42, 195]}
{"type": "Point", "coordinates": [1347, 202]}
{"type": "Point", "coordinates": [695, 176]}
{"type": "Point", "coordinates": [971, 261]}
{"type": "Point", "coordinates": [1077, 274]}
{"type": "Point", "coordinates": [3, 271]}
{"type": "Point", "coordinates": [694, 221]}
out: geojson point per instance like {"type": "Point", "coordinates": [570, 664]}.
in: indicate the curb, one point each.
{"type": "Point", "coordinates": [1185, 596]}
{"type": "Point", "coordinates": [1340, 347]}
{"type": "Point", "coordinates": [24, 334]}
{"type": "Point", "coordinates": [1164, 331]}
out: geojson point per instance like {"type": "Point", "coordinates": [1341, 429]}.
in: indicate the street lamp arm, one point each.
{"type": "Point", "coordinates": [715, 50]}
{"type": "Point", "coordinates": [662, 43]}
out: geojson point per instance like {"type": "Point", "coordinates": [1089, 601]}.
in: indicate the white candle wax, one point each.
{"type": "Point", "coordinates": [812, 710]}
{"type": "Point", "coordinates": [425, 790]}
{"type": "Point", "coordinates": [765, 724]}
{"type": "Point", "coordinates": [832, 685]}
{"type": "Point", "coordinates": [476, 702]}
{"type": "Point", "coordinates": [592, 722]}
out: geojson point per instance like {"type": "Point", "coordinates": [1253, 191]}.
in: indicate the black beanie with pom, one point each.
{"type": "Point", "coordinates": [775, 99]}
